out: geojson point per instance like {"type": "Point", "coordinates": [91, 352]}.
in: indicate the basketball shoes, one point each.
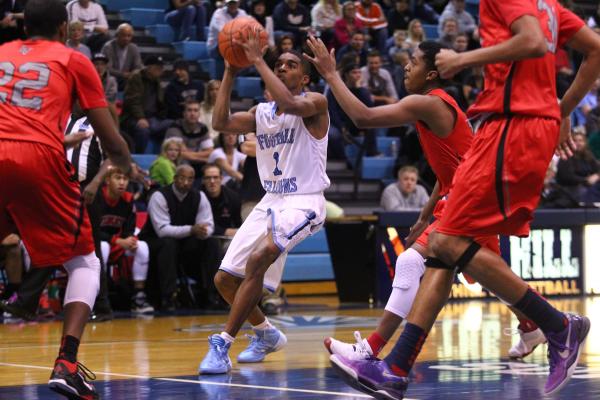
{"type": "Point", "coordinates": [217, 359]}
{"type": "Point", "coordinates": [373, 377]}
{"type": "Point", "coordinates": [72, 380]}
{"type": "Point", "coordinates": [528, 341]}
{"type": "Point", "coordinates": [264, 342]}
{"type": "Point", "coordinates": [361, 350]}
{"type": "Point", "coordinates": [564, 349]}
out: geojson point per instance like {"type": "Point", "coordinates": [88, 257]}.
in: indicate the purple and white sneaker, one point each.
{"type": "Point", "coordinates": [373, 377]}
{"type": "Point", "coordinates": [564, 349]}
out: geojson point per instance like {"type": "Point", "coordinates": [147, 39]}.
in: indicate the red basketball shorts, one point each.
{"type": "Point", "coordinates": [41, 201]}
{"type": "Point", "coordinates": [491, 242]}
{"type": "Point", "coordinates": [497, 186]}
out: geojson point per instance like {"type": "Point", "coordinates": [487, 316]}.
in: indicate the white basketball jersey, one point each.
{"type": "Point", "coordinates": [290, 160]}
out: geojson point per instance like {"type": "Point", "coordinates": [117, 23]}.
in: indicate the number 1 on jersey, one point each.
{"type": "Point", "coordinates": [276, 171]}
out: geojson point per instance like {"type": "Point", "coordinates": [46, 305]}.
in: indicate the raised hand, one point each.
{"type": "Point", "coordinates": [448, 63]}
{"type": "Point", "coordinates": [252, 48]}
{"type": "Point", "coordinates": [323, 60]}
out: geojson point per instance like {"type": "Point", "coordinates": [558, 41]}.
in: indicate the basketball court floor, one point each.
{"type": "Point", "coordinates": [157, 357]}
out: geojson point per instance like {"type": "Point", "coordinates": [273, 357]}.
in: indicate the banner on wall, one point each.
{"type": "Point", "coordinates": [550, 260]}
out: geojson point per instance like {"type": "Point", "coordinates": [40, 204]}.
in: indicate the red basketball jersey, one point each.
{"type": "Point", "coordinates": [38, 81]}
{"type": "Point", "coordinates": [444, 154]}
{"type": "Point", "coordinates": [526, 87]}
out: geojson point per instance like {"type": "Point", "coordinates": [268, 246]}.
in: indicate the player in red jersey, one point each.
{"type": "Point", "coordinates": [498, 184]}
{"type": "Point", "coordinates": [445, 135]}
{"type": "Point", "coordinates": [40, 197]}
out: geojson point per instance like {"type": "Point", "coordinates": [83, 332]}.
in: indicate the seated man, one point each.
{"type": "Point", "coordinates": [11, 257]}
{"type": "Point", "coordinates": [378, 80]}
{"type": "Point", "coordinates": [123, 55]}
{"type": "Point", "coordinates": [197, 144]}
{"type": "Point", "coordinates": [405, 194]}
{"type": "Point", "coordinates": [178, 231]}
{"type": "Point", "coordinates": [117, 226]}
{"type": "Point", "coordinates": [94, 21]}
{"type": "Point", "coordinates": [224, 202]}
{"type": "Point", "coordinates": [357, 45]}
{"type": "Point", "coordinates": [144, 110]}
{"type": "Point", "coordinates": [180, 89]}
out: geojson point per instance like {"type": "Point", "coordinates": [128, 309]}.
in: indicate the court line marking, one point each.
{"type": "Point", "coordinates": [198, 382]}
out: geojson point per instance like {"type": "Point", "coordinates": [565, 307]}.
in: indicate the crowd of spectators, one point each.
{"type": "Point", "coordinates": [203, 182]}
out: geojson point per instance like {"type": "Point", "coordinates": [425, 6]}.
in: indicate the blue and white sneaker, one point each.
{"type": "Point", "coordinates": [217, 360]}
{"type": "Point", "coordinates": [265, 342]}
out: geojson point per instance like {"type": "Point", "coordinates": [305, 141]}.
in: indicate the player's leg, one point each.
{"type": "Point", "coordinates": [68, 377]}
{"type": "Point", "coordinates": [141, 259]}
{"type": "Point", "coordinates": [227, 285]}
{"type": "Point", "coordinates": [410, 266]}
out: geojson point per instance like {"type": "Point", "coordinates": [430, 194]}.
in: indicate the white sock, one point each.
{"type": "Point", "coordinates": [263, 326]}
{"type": "Point", "coordinates": [227, 337]}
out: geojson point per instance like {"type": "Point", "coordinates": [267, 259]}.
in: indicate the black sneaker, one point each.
{"type": "Point", "coordinates": [140, 305]}
{"type": "Point", "coordinates": [17, 311]}
{"type": "Point", "coordinates": [72, 380]}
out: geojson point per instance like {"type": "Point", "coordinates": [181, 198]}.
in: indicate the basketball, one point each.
{"type": "Point", "coordinates": [238, 29]}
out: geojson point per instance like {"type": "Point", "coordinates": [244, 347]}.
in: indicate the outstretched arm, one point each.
{"type": "Point", "coordinates": [528, 41]}
{"type": "Point", "coordinates": [222, 121]}
{"type": "Point", "coordinates": [410, 109]}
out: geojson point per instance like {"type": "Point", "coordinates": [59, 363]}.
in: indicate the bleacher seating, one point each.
{"type": "Point", "coordinates": [377, 167]}
{"type": "Point", "coordinates": [117, 5]}
{"type": "Point", "coordinates": [144, 160]}
{"type": "Point", "coordinates": [246, 86]}
{"type": "Point", "coordinates": [209, 66]}
{"type": "Point", "coordinates": [431, 31]}
{"type": "Point", "coordinates": [192, 50]}
{"type": "Point", "coordinates": [143, 17]}
{"type": "Point", "coordinates": [163, 33]}
{"type": "Point", "coordinates": [310, 260]}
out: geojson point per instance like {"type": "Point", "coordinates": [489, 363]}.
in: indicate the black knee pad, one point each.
{"type": "Point", "coordinates": [467, 256]}
{"type": "Point", "coordinates": [432, 262]}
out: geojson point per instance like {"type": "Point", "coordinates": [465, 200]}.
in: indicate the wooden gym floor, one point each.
{"type": "Point", "coordinates": [157, 357]}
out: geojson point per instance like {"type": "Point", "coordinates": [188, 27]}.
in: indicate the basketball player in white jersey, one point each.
{"type": "Point", "coordinates": [291, 154]}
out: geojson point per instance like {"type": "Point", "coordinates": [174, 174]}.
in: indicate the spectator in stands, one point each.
{"type": "Point", "coordinates": [564, 71]}
{"type": "Point", "coordinates": [224, 202]}
{"type": "Point", "coordinates": [180, 89]}
{"type": "Point", "coordinates": [75, 38]}
{"type": "Point", "coordinates": [373, 18]}
{"type": "Point", "coordinates": [94, 22]}
{"type": "Point", "coordinates": [580, 174]}
{"type": "Point", "coordinates": [144, 110]}
{"type": "Point", "coordinates": [399, 17]}
{"type": "Point", "coordinates": [449, 32]}
{"type": "Point", "coordinates": [185, 17]}
{"type": "Point", "coordinates": [324, 14]}
{"type": "Point", "coordinates": [208, 105]}
{"type": "Point", "coordinates": [356, 45]}
{"type": "Point", "coordinates": [554, 195]}
{"type": "Point", "coordinates": [123, 55]}
{"type": "Point", "coordinates": [178, 231]}
{"type": "Point", "coordinates": [258, 10]}
{"type": "Point", "coordinates": [229, 159]}
{"type": "Point", "coordinates": [341, 125]}
{"type": "Point", "coordinates": [11, 257]}
{"type": "Point", "coordinates": [162, 170]}
{"type": "Point", "coordinates": [11, 24]}
{"type": "Point", "coordinates": [399, 44]}
{"type": "Point", "coordinates": [416, 34]}
{"type": "Point", "coordinates": [109, 83]}
{"type": "Point", "coordinates": [251, 191]}
{"type": "Point", "coordinates": [378, 80]}
{"type": "Point", "coordinates": [466, 23]}
{"type": "Point", "coordinates": [348, 24]}
{"type": "Point", "coordinates": [196, 142]}
{"type": "Point", "coordinates": [587, 104]}
{"type": "Point", "coordinates": [594, 20]}
{"type": "Point", "coordinates": [220, 17]}
{"type": "Point", "coordinates": [400, 59]}
{"type": "Point", "coordinates": [461, 43]}
{"type": "Point", "coordinates": [405, 194]}
{"type": "Point", "coordinates": [117, 235]}
{"type": "Point", "coordinates": [292, 17]}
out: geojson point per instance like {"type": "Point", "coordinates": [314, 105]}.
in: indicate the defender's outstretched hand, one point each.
{"type": "Point", "coordinates": [323, 60]}
{"type": "Point", "coordinates": [448, 63]}
{"type": "Point", "coordinates": [252, 47]}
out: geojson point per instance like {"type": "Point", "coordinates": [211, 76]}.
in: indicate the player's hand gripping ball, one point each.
{"type": "Point", "coordinates": [238, 29]}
